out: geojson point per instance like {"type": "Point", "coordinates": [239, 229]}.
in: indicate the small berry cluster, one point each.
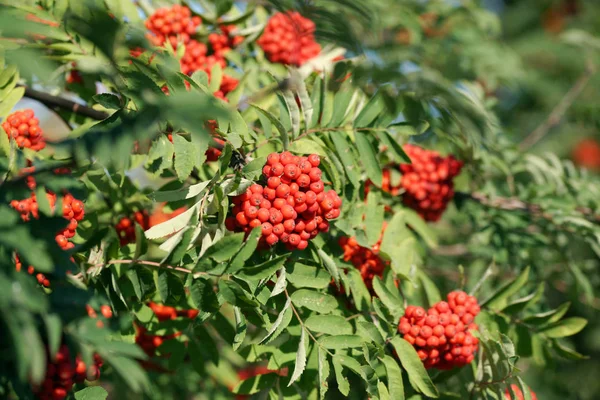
{"type": "Point", "coordinates": [442, 335]}
{"type": "Point", "coordinates": [149, 343]}
{"type": "Point", "coordinates": [293, 206]}
{"type": "Point", "coordinates": [73, 211]}
{"type": "Point", "coordinates": [225, 41]}
{"type": "Point", "coordinates": [366, 260]}
{"type": "Point", "coordinates": [586, 154]}
{"type": "Point", "coordinates": [105, 310]}
{"type": "Point", "coordinates": [428, 182]}
{"type": "Point", "coordinates": [289, 39]}
{"type": "Point", "coordinates": [24, 128]}
{"type": "Point", "coordinates": [61, 373]}
{"type": "Point", "coordinates": [126, 226]}
{"type": "Point", "coordinates": [173, 24]}
{"type": "Point", "coordinates": [41, 278]}
{"type": "Point", "coordinates": [518, 393]}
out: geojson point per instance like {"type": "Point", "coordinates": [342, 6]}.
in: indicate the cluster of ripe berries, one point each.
{"type": "Point", "coordinates": [427, 181]}
{"type": "Point", "coordinates": [289, 39]}
{"type": "Point", "coordinates": [105, 311]}
{"type": "Point", "coordinates": [126, 226]}
{"type": "Point", "coordinates": [172, 24]}
{"type": "Point", "coordinates": [292, 207]}
{"type": "Point", "coordinates": [149, 343]}
{"type": "Point", "coordinates": [442, 335]}
{"type": "Point", "coordinates": [24, 128]}
{"type": "Point", "coordinates": [73, 211]}
{"type": "Point", "coordinates": [366, 260]}
{"type": "Point", "coordinates": [61, 373]}
{"type": "Point", "coordinates": [176, 25]}
{"type": "Point", "coordinates": [518, 393]}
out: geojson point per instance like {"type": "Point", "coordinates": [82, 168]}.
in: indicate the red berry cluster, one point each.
{"type": "Point", "coordinates": [289, 39]}
{"type": "Point", "coordinates": [149, 343]}
{"type": "Point", "coordinates": [173, 24]}
{"type": "Point", "coordinates": [225, 41]}
{"type": "Point", "coordinates": [61, 373]}
{"type": "Point", "coordinates": [72, 211]}
{"type": "Point", "coordinates": [442, 335]}
{"type": "Point", "coordinates": [518, 393]}
{"type": "Point", "coordinates": [105, 310]}
{"type": "Point", "coordinates": [366, 260]}
{"type": "Point", "coordinates": [41, 278]}
{"type": "Point", "coordinates": [126, 226]}
{"type": "Point", "coordinates": [24, 127]}
{"type": "Point", "coordinates": [428, 181]}
{"type": "Point", "coordinates": [176, 24]}
{"type": "Point", "coordinates": [293, 206]}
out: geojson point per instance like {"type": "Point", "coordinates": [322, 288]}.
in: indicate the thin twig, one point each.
{"type": "Point", "coordinates": [515, 204]}
{"type": "Point", "coordinates": [561, 108]}
{"type": "Point", "coordinates": [150, 264]}
{"type": "Point", "coordinates": [55, 101]}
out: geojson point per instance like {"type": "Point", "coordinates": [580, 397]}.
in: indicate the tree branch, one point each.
{"type": "Point", "coordinates": [515, 204]}
{"type": "Point", "coordinates": [59, 102]}
{"type": "Point", "coordinates": [561, 108]}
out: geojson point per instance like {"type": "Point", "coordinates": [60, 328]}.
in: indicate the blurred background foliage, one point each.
{"type": "Point", "coordinates": [528, 69]}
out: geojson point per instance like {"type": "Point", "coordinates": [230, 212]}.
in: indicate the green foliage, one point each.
{"type": "Point", "coordinates": [524, 236]}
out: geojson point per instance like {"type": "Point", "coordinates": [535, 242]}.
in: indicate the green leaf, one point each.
{"type": "Point", "coordinates": [173, 225]}
{"type": "Point", "coordinates": [203, 296]}
{"type": "Point", "coordinates": [525, 302]}
{"type": "Point", "coordinates": [431, 291]}
{"type": "Point", "coordinates": [161, 281]}
{"type": "Point", "coordinates": [341, 102]}
{"type": "Point", "coordinates": [275, 121]}
{"type": "Point", "coordinates": [240, 328]}
{"type": "Point", "coordinates": [315, 301]}
{"type": "Point", "coordinates": [369, 332]}
{"type": "Point", "coordinates": [417, 374]}
{"type": "Point", "coordinates": [330, 265]}
{"type": "Point", "coordinates": [394, 147]}
{"type": "Point", "coordinates": [301, 275]}
{"type": "Point", "coordinates": [185, 157]}
{"type": "Point", "coordinates": [216, 76]}
{"type": "Point", "coordinates": [323, 369]}
{"type": "Point", "coordinates": [341, 342]}
{"type": "Point", "coordinates": [11, 101]}
{"type": "Point", "coordinates": [278, 321]}
{"type": "Point", "coordinates": [107, 100]}
{"type": "Point", "coordinates": [342, 381]}
{"type": "Point", "coordinates": [91, 393]}
{"type": "Point", "coordinates": [263, 270]}
{"type": "Point", "coordinates": [294, 111]}
{"type": "Point", "coordinates": [563, 328]}
{"type": "Point", "coordinates": [280, 284]}
{"type": "Point", "coordinates": [308, 146]}
{"type": "Point", "coordinates": [346, 156]}
{"type": "Point", "coordinates": [329, 324]}
{"type": "Point", "coordinates": [180, 194]}
{"type": "Point", "coordinates": [226, 247]}
{"type": "Point", "coordinates": [567, 352]}
{"type": "Point", "coordinates": [394, 378]}
{"type": "Point", "coordinates": [253, 169]}
{"type": "Point", "coordinates": [419, 225]}
{"type": "Point", "coordinates": [305, 103]}
{"type": "Point", "coordinates": [368, 157]}
{"type": "Point", "coordinates": [300, 359]}
{"type": "Point", "coordinates": [389, 299]}
{"type": "Point", "coordinates": [369, 112]}
{"type": "Point", "coordinates": [498, 299]}
{"type": "Point", "coordinates": [54, 330]}
{"type": "Point", "coordinates": [237, 262]}
{"type": "Point", "coordinates": [374, 216]}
